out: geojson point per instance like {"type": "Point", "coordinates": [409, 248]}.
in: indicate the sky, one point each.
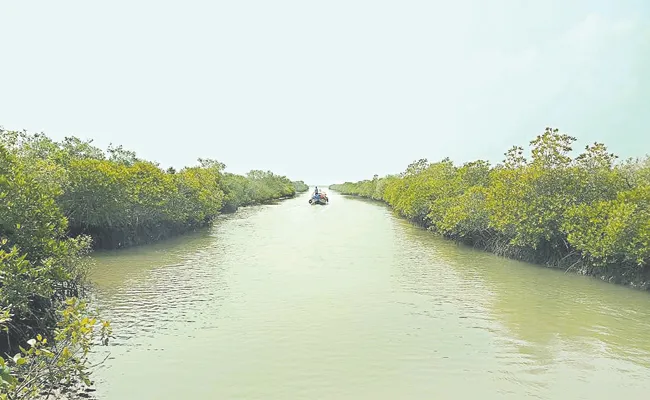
{"type": "Point", "coordinates": [327, 91]}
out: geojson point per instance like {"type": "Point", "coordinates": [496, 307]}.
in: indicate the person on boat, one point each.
{"type": "Point", "coordinates": [316, 190]}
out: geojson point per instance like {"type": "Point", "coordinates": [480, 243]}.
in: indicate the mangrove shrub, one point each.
{"type": "Point", "coordinates": [587, 210]}
{"type": "Point", "coordinates": [60, 199]}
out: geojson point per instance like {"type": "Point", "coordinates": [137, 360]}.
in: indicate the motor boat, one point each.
{"type": "Point", "coordinates": [319, 197]}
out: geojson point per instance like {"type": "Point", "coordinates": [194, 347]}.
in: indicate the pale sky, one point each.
{"type": "Point", "coordinates": [327, 91]}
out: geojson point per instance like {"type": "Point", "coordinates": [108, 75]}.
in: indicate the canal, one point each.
{"type": "Point", "coordinates": [347, 301]}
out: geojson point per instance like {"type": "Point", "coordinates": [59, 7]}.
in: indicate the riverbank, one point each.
{"type": "Point", "coordinates": [77, 391]}
{"type": "Point", "coordinates": [120, 200]}
{"type": "Point", "coordinates": [61, 200]}
{"type": "Point", "coordinates": [587, 214]}
{"type": "Point", "coordinates": [640, 281]}
{"type": "Point", "coordinates": [355, 308]}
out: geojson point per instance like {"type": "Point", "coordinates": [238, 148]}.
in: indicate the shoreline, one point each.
{"type": "Point", "coordinates": [141, 241]}
{"type": "Point", "coordinates": [639, 281]}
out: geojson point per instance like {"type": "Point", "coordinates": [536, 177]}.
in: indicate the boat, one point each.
{"type": "Point", "coordinates": [319, 198]}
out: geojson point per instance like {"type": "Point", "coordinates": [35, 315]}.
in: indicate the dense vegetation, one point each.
{"type": "Point", "coordinates": [589, 213]}
{"type": "Point", "coordinates": [300, 186]}
{"type": "Point", "coordinates": [46, 332]}
{"type": "Point", "coordinates": [120, 200]}
{"type": "Point", "coordinates": [60, 199]}
{"type": "Point", "coordinates": [254, 188]}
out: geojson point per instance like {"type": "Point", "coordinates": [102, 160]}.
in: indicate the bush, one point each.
{"type": "Point", "coordinates": [57, 200]}
{"type": "Point", "coordinates": [551, 208]}
{"type": "Point", "coordinates": [120, 200]}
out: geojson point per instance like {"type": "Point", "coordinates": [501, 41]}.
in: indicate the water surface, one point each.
{"type": "Point", "coordinates": [346, 301]}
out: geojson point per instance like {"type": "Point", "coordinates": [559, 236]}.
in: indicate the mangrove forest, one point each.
{"type": "Point", "coordinates": [586, 212]}
{"type": "Point", "coordinates": [61, 199]}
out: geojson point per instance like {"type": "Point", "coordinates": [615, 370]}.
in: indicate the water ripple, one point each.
{"type": "Point", "coordinates": [347, 302]}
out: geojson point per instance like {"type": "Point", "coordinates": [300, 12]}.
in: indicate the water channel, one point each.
{"type": "Point", "coordinates": [347, 301]}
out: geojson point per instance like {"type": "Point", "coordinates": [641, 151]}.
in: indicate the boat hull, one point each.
{"type": "Point", "coordinates": [319, 201]}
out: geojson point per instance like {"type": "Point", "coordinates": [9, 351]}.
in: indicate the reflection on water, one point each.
{"type": "Point", "coordinates": [345, 301]}
{"type": "Point", "coordinates": [543, 307]}
{"type": "Point", "coordinates": [549, 323]}
{"type": "Point", "coordinates": [118, 266]}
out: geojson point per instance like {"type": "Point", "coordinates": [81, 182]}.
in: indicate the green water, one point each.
{"type": "Point", "coordinates": [346, 301]}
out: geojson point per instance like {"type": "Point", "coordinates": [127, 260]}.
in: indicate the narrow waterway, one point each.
{"type": "Point", "coordinates": [346, 301]}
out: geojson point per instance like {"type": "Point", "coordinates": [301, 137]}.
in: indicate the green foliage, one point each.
{"type": "Point", "coordinates": [29, 214]}
{"type": "Point", "coordinates": [42, 365]}
{"type": "Point", "coordinates": [257, 187]}
{"type": "Point", "coordinates": [544, 208]}
{"type": "Point", "coordinates": [57, 200]}
{"type": "Point", "coordinates": [266, 186]}
{"type": "Point", "coordinates": [300, 186]}
{"type": "Point", "coordinates": [38, 264]}
{"type": "Point", "coordinates": [613, 232]}
{"type": "Point", "coordinates": [40, 268]}
{"type": "Point", "coordinates": [119, 199]}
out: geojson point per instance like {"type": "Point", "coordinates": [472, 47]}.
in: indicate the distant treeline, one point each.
{"type": "Point", "coordinates": [587, 213]}
{"type": "Point", "coordinates": [300, 186]}
{"type": "Point", "coordinates": [119, 199]}
{"type": "Point", "coordinates": [60, 199]}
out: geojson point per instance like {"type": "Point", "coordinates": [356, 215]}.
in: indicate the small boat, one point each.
{"type": "Point", "coordinates": [319, 198]}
